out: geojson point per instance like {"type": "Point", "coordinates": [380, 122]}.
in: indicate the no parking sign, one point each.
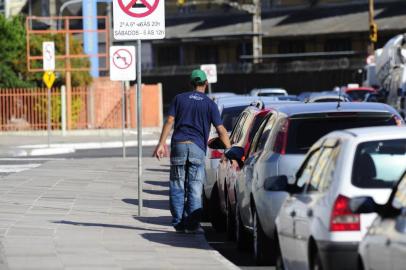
{"type": "Point", "coordinates": [139, 19]}
{"type": "Point", "coordinates": [122, 63]}
{"type": "Point", "coordinates": [211, 72]}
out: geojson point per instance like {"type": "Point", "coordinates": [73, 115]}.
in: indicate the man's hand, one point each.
{"type": "Point", "coordinates": [160, 151]}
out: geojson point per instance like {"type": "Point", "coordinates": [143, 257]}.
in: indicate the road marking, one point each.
{"type": "Point", "coordinates": [17, 168]}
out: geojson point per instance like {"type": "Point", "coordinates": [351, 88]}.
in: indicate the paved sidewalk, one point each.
{"type": "Point", "coordinates": [81, 214]}
{"type": "Point", "coordinates": [34, 143]}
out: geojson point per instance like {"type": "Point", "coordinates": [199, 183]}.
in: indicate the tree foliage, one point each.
{"type": "Point", "coordinates": [13, 54]}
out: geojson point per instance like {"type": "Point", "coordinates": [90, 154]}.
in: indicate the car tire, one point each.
{"type": "Point", "coordinates": [261, 243]}
{"type": "Point", "coordinates": [316, 261]}
{"type": "Point", "coordinates": [230, 221]}
{"type": "Point", "coordinates": [217, 218]}
{"type": "Point", "coordinates": [241, 235]}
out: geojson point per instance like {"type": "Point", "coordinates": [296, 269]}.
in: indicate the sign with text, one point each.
{"type": "Point", "coordinates": [48, 56]}
{"type": "Point", "coordinates": [122, 63]}
{"type": "Point", "coordinates": [139, 19]}
{"type": "Point", "coordinates": [211, 72]}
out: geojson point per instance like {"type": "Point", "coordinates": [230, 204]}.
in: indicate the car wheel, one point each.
{"type": "Point", "coordinates": [316, 261]}
{"type": "Point", "coordinates": [216, 217]}
{"type": "Point", "coordinates": [230, 221]}
{"type": "Point", "coordinates": [261, 243]}
{"type": "Point", "coordinates": [241, 235]}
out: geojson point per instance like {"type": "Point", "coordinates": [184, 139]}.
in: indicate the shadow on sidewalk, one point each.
{"type": "Point", "coordinates": [157, 192]}
{"type": "Point", "coordinates": [153, 204]}
{"type": "Point", "coordinates": [90, 224]}
{"type": "Point", "coordinates": [158, 183]}
{"type": "Point", "coordinates": [158, 170]}
{"type": "Point", "coordinates": [160, 220]}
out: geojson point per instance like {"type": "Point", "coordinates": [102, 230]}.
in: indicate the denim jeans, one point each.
{"type": "Point", "coordinates": [186, 184]}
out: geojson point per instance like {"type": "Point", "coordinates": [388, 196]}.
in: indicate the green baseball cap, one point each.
{"type": "Point", "coordinates": [198, 76]}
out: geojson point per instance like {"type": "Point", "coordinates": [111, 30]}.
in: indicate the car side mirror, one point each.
{"type": "Point", "coordinates": [400, 225]}
{"type": "Point", "coordinates": [276, 183]}
{"type": "Point", "coordinates": [216, 143]}
{"type": "Point", "coordinates": [363, 205]}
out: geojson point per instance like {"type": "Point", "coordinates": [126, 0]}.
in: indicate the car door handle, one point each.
{"type": "Point", "coordinates": [293, 213]}
{"type": "Point", "coordinates": [310, 212]}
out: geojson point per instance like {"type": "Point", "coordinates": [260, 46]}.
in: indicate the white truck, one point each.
{"type": "Point", "coordinates": [390, 69]}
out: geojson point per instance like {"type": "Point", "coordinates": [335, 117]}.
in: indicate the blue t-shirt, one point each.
{"type": "Point", "coordinates": [194, 112]}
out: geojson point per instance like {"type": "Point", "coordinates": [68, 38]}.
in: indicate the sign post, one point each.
{"type": "Point", "coordinates": [211, 73]}
{"type": "Point", "coordinates": [48, 61]}
{"type": "Point", "coordinates": [139, 20]}
{"type": "Point", "coordinates": [122, 68]}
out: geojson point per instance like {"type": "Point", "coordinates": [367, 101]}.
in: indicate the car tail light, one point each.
{"type": "Point", "coordinates": [215, 154]}
{"type": "Point", "coordinates": [342, 219]}
{"type": "Point", "coordinates": [398, 120]}
{"type": "Point", "coordinates": [281, 140]}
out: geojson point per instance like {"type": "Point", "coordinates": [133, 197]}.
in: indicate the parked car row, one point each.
{"type": "Point", "coordinates": [299, 166]}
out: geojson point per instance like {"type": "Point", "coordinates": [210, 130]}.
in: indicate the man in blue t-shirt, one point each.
{"type": "Point", "coordinates": [192, 114]}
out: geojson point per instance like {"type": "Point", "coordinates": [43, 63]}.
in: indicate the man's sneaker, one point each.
{"type": "Point", "coordinates": [180, 228]}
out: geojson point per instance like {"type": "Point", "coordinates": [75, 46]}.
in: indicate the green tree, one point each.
{"type": "Point", "coordinates": [13, 67]}
{"type": "Point", "coordinates": [13, 54]}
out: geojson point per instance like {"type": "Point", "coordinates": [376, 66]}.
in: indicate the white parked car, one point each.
{"type": "Point", "coordinates": [268, 92]}
{"type": "Point", "coordinates": [316, 228]}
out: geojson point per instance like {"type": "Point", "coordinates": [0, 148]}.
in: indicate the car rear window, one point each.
{"type": "Point", "coordinates": [304, 132]}
{"type": "Point", "coordinates": [230, 116]}
{"type": "Point", "coordinates": [358, 95]}
{"type": "Point", "coordinates": [379, 164]}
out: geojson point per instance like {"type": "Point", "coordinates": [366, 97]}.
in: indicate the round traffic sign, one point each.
{"type": "Point", "coordinates": [138, 8]}
{"type": "Point", "coordinates": [122, 59]}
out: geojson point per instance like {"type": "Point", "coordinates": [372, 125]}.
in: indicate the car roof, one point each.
{"type": "Point", "coordinates": [296, 108]}
{"type": "Point", "coordinates": [243, 100]}
{"type": "Point", "coordinates": [384, 131]}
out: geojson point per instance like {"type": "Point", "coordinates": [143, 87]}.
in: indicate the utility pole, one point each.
{"type": "Point", "coordinates": [255, 10]}
{"type": "Point", "coordinates": [373, 29]}
{"type": "Point", "coordinates": [257, 31]}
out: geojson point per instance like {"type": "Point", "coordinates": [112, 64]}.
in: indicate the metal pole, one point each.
{"type": "Point", "coordinates": [209, 88]}
{"type": "Point", "coordinates": [139, 127]}
{"type": "Point", "coordinates": [257, 31]}
{"type": "Point", "coordinates": [49, 117]}
{"type": "Point", "coordinates": [63, 109]}
{"type": "Point", "coordinates": [371, 47]}
{"type": "Point", "coordinates": [123, 117]}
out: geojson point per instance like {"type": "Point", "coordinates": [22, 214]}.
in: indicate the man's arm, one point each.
{"type": "Point", "coordinates": [221, 130]}
{"type": "Point", "coordinates": [160, 148]}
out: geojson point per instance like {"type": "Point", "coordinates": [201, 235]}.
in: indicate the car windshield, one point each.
{"type": "Point", "coordinates": [357, 95]}
{"type": "Point", "coordinates": [230, 116]}
{"type": "Point", "coordinates": [304, 132]}
{"type": "Point", "coordinates": [379, 164]}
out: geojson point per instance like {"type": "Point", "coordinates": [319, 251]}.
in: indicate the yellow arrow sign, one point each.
{"type": "Point", "coordinates": [48, 78]}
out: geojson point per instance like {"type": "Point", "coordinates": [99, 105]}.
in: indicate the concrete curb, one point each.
{"type": "Point", "coordinates": [32, 150]}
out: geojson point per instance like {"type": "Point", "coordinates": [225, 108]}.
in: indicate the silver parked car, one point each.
{"type": "Point", "coordinates": [384, 245]}
{"type": "Point", "coordinates": [278, 148]}
{"type": "Point", "coordinates": [315, 226]}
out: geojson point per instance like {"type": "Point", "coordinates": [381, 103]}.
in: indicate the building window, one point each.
{"type": "Point", "coordinates": [206, 54]}
{"type": "Point", "coordinates": [338, 44]}
{"type": "Point", "coordinates": [168, 56]}
{"type": "Point", "coordinates": [291, 46]}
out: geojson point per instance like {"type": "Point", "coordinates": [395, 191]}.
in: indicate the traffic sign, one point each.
{"type": "Point", "coordinates": [49, 79]}
{"type": "Point", "coordinates": [211, 72]}
{"type": "Point", "coordinates": [48, 56]}
{"type": "Point", "coordinates": [122, 63]}
{"type": "Point", "coordinates": [139, 19]}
